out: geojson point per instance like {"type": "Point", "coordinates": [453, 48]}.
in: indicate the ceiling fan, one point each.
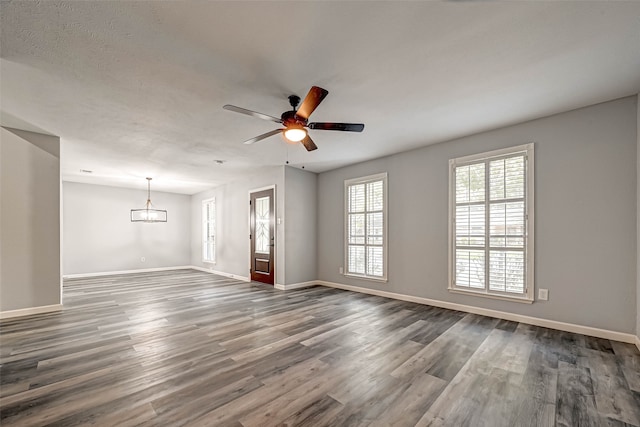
{"type": "Point", "coordinates": [296, 120]}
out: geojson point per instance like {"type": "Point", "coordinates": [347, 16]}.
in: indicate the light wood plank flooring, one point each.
{"type": "Point", "coordinates": [190, 348]}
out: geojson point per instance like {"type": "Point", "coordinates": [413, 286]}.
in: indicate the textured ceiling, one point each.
{"type": "Point", "coordinates": [136, 89]}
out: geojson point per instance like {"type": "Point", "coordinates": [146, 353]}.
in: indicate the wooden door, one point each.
{"type": "Point", "coordinates": [262, 236]}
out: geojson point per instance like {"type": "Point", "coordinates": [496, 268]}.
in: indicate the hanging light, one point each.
{"type": "Point", "coordinates": [148, 214]}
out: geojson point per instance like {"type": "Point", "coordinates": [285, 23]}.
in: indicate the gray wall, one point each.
{"type": "Point", "coordinates": [98, 235]}
{"type": "Point", "coordinates": [29, 220]}
{"type": "Point", "coordinates": [300, 207]}
{"type": "Point", "coordinates": [232, 223]}
{"type": "Point", "coordinates": [585, 251]}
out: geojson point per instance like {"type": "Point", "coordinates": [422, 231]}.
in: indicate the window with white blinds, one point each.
{"type": "Point", "coordinates": [491, 223]}
{"type": "Point", "coordinates": [366, 227]}
{"type": "Point", "coordinates": [209, 230]}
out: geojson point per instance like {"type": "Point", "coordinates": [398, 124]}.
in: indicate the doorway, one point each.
{"type": "Point", "coordinates": [262, 235]}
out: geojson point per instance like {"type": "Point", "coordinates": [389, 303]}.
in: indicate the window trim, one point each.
{"type": "Point", "coordinates": [529, 296]}
{"type": "Point", "coordinates": [385, 236]}
{"type": "Point", "coordinates": [215, 230]}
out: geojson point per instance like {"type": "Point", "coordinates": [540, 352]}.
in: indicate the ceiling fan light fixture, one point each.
{"type": "Point", "coordinates": [295, 134]}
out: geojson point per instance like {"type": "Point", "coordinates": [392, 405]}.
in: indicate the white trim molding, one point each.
{"type": "Point", "coordinates": [221, 273]}
{"type": "Point", "coordinates": [113, 273]}
{"type": "Point", "coordinates": [536, 321]}
{"type": "Point", "coordinates": [296, 285]}
{"type": "Point", "coordinates": [30, 311]}
{"type": "Point", "coordinates": [491, 296]}
{"type": "Point", "coordinates": [151, 270]}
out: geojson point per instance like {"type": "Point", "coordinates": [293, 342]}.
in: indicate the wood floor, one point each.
{"type": "Point", "coordinates": [190, 348]}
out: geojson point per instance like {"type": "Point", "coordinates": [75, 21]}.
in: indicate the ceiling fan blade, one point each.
{"type": "Point", "coordinates": [252, 113]}
{"type": "Point", "coordinates": [348, 127]}
{"type": "Point", "coordinates": [311, 101]}
{"type": "Point", "coordinates": [308, 143]}
{"type": "Point", "coordinates": [263, 136]}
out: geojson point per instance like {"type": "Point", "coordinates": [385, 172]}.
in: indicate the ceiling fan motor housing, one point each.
{"type": "Point", "coordinates": [289, 119]}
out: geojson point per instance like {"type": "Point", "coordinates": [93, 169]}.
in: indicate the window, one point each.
{"type": "Point", "coordinates": [366, 227]}
{"type": "Point", "coordinates": [491, 224]}
{"type": "Point", "coordinates": [209, 230]}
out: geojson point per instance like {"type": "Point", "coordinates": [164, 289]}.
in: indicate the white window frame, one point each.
{"type": "Point", "coordinates": [363, 180]}
{"type": "Point", "coordinates": [527, 150]}
{"type": "Point", "coordinates": [204, 230]}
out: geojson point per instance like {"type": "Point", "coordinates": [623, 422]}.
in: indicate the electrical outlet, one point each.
{"type": "Point", "coordinates": [143, 259]}
{"type": "Point", "coordinates": [341, 270]}
{"type": "Point", "coordinates": [543, 294]}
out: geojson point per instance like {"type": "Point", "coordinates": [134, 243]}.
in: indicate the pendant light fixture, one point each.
{"type": "Point", "coordinates": [148, 214]}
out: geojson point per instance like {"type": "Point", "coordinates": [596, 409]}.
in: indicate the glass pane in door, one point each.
{"type": "Point", "coordinates": [262, 225]}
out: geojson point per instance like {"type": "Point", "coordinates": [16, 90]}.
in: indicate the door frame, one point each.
{"type": "Point", "coordinates": [275, 228]}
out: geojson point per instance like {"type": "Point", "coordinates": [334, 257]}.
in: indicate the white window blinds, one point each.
{"type": "Point", "coordinates": [366, 226]}
{"type": "Point", "coordinates": [209, 230]}
{"type": "Point", "coordinates": [492, 244]}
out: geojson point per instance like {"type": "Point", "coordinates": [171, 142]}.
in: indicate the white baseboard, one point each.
{"type": "Point", "coordinates": [295, 285]}
{"type": "Point", "coordinates": [221, 273]}
{"type": "Point", "coordinates": [536, 321]}
{"type": "Point", "coordinates": [151, 270]}
{"type": "Point", "coordinates": [29, 311]}
{"type": "Point", "coordinates": [113, 273]}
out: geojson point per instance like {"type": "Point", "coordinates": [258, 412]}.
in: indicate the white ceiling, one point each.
{"type": "Point", "coordinates": [136, 89]}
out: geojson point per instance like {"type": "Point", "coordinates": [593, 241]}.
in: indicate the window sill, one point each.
{"type": "Point", "coordinates": [521, 300]}
{"type": "Point", "coordinates": [204, 261]}
{"type": "Point", "coordinates": [369, 278]}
